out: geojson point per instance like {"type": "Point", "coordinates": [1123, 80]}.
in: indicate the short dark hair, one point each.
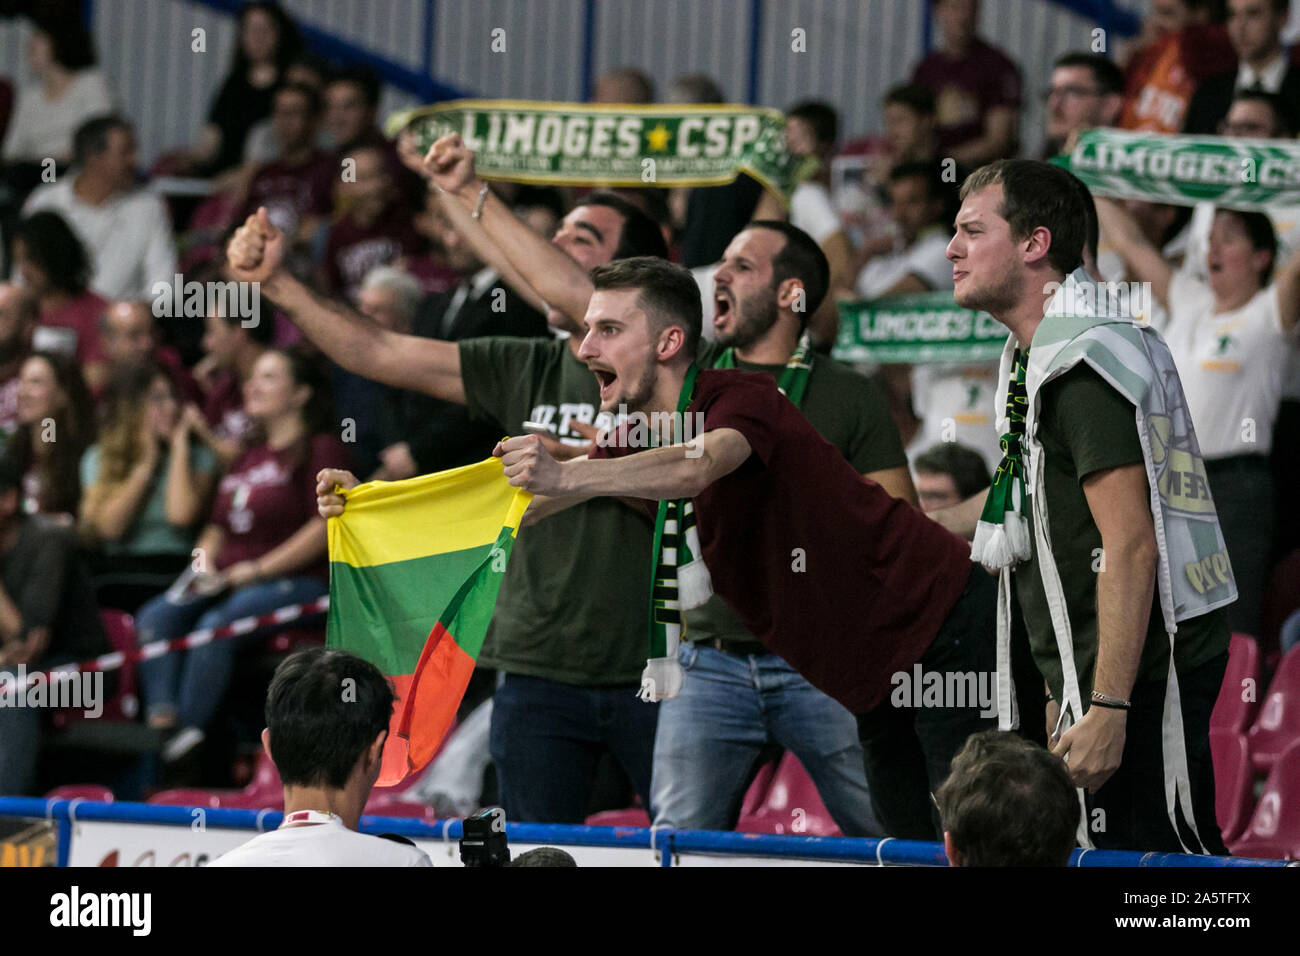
{"type": "Point", "coordinates": [667, 293]}
{"type": "Point", "coordinates": [915, 97]}
{"type": "Point", "coordinates": [263, 331]}
{"type": "Point", "coordinates": [71, 45]}
{"type": "Point", "coordinates": [306, 92]}
{"type": "Point", "coordinates": [1037, 194]}
{"type": "Point", "coordinates": [363, 78]}
{"type": "Point", "coordinates": [640, 235]}
{"type": "Point", "coordinates": [51, 243]}
{"type": "Point", "coordinates": [1284, 121]}
{"type": "Point", "coordinates": [1009, 802]}
{"type": "Point", "coordinates": [91, 137]}
{"type": "Point", "coordinates": [821, 116]}
{"type": "Point", "coordinates": [1262, 235]}
{"type": "Point", "coordinates": [965, 466]}
{"type": "Point", "coordinates": [1108, 77]}
{"type": "Point", "coordinates": [1092, 225]}
{"type": "Point", "coordinates": [936, 187]}
{"type": "Point", "coordinates": [800, 258]}
{"type": "Point", "coordinates": [324, 708]}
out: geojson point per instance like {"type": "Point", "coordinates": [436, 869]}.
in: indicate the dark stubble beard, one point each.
{"type": "Point", "coordinates": [756, 314]}
{"type": "Point", "coordinates": [996, 299]}
{"type": "Point", "coordinates": [637, 399]}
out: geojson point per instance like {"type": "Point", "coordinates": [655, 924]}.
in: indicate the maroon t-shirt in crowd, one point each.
{"type": "Point", "coordinates": [292, 193]}
{"type": "Point", "coordinates": [966, 88]}
{"type": "Point", "coordinates": [223, 408]}
{"type": "Point", "coordinates": [354, 249]}
{"type": "Point", "coordinates": [266, 495]}
{"type": "Point", "coordinates": [849, 584]}
{"type": "Point", "coordinates": [73, 328]}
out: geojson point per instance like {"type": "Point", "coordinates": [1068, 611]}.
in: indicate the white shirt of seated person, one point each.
{"type": "Point", "coordinates": [323, 841]}
{"type": "Point", "coordinates": [1232, 365]}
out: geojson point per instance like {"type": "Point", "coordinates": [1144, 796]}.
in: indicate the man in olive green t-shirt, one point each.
{"type": "Point", "coordinates": [569, 630]}
{"type": "Point", "coordinates": [1022, 229]}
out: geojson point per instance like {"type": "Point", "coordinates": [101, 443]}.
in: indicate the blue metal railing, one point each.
{"type": "Point", "coordinates": [669, 843]}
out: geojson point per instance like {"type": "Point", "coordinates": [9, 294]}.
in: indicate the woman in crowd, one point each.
{"type": "Point", "coordinates": [67, 90]}
{"type": "Point", "coordinates": [56, 268]}
{"type": "Point", "coordinates": [146, 483]}
{"type": "Point", "coordinates": [55, 424]}
{"type": "Point", "coordinates": [268, 42]}
{"type": "Point", "coordinates": [1231, 333]}
{"type": "Point", "coordinates": [263, 548]}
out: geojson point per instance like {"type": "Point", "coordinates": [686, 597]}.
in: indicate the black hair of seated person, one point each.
{"type": "Point", "coordinates": [324, 707]}
{"type": "Point", "coordinates": [544, 856]}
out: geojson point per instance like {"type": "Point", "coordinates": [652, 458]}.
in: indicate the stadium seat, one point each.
{"type": "Point", "coordinates": [1234, 781]}
{"type": "Point", "coordinates": [792, 805]}
{"type": "Point", "coordinates": [124, 704]}
{"type": "Point", "coordinates": [286, 642]}
{"type": "Point", "coordinates": [1274, 828]}
{"type": "Point", "coordinates": [94, 792]}
{"type": "Point", "coordinates": [1278, 725]}
{"type": "Point", "coordinates": [263, 792]}
{"type": "Point", "coordinates": [638, 817]}
{"type": "Point", "coordinates": [1230, 711]}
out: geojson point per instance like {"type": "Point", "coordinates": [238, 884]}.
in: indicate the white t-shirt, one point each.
{"type": "Point", "coordinates": [129, 237]}
{"type": "Point", "coordinates": [811, 210]}
{"type": "Point", "coordinates": [926, 258]}
{"type": "Point", "coordinates": [956, 402]}
{"type": "Point", "coordinates": [1232, 365]}
{"type": "Point", "coordinates": [321, 844]}
{"type": "Point", "coordinates": [41, 127]}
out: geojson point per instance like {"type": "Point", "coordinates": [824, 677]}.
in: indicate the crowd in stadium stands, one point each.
{"type": "Point", "coordinates": [161, 443]}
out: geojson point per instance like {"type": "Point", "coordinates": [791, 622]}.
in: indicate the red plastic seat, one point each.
{"type": "Point", "coordinates": [1274, 829]}
{"type": "Point", "coordinates": [1231, 712]}
{"type": "Point", "coordinates": [1278, 725]}
{"type": "Point", "coordinates": [94, 792]}
{"type": "Point", "coordinates": [286, 642]}
{"type": "Point", "coordinates": [119, 628]}
{"type": "Point", "coordinates": [1234, 781]}
{"type": "Point", "coordinates": [792, 805]}
{"type": "Point", "coordinates": [637, 816]}
{"type": "Point", "coordinates": [264, 792]}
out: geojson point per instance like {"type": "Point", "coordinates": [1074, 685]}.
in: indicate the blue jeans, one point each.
{"type": "Point", "coordinates": [191, 684]}
{"type": "Point", "coordinates": [710, 736]}
{"type": "Point", "coordinates": [546, 738]}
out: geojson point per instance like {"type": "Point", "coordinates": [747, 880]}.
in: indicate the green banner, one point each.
{"type": "Point", "coordinates": [1249, 174]}
{"type": "Point", "coordinates": [577, 144]}
{"type": "Point", "coordinates": [929, 327]}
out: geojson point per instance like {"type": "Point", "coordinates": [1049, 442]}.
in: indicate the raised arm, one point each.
{"type": "Point", "coordinates": [1288, 292]}
{"type": "Point", "coordinates": [557, 279]}
{"type": "Point", "coordinates": [256, 254]}
{"type": "Point", "coordinates": [1142, 258]}
{"type": "Point", "coordinates": [674, 471]}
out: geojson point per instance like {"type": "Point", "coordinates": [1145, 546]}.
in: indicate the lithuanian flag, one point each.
{"type": "Point", "coordinates": [414, 571]}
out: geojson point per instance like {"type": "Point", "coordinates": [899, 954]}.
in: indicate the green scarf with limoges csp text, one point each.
{"type": "Point", "coordinates": [1247, 174]}
{"type": "Point", "coordinates": [559, 144]}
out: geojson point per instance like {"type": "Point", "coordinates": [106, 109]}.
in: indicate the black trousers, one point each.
{"type": "Point", "coordinates": [908, 750]}
{"type": "Point", "coordinates": [1128, 812]}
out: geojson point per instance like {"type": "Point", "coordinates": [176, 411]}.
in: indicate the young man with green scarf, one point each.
{"type": "Point", "coordinates": [853, 587]}
{"type": "Point", "coordinates": [1100, 518]}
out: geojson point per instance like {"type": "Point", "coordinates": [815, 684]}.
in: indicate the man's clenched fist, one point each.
{"type": "Point", "coordinates": [256, 250]}
{"type": "Point", "coordinates": [529, 465]}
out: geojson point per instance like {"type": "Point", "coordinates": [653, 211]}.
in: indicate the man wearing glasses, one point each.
{"type": "Point", "coordinates": [1086, 91]}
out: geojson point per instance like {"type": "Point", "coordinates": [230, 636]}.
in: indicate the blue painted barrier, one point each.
{"type": "Point", "coordinates": [670, 843]}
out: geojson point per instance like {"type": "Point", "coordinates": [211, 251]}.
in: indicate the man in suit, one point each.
{"type": "Point", "coordinates": [1263, 65]}
{"type": "Point", "coordinates": [422, 434]}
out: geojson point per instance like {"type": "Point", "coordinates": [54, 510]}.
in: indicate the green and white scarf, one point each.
{"type": "Point", "coordinates": [1002, 535]}
{"type": "Point", "coordinates": [681, 579]}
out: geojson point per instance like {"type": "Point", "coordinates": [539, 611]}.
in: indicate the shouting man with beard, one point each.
{"type": "Point", "coordinates": [854, 587]}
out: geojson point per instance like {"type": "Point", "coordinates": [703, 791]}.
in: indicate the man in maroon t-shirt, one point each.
{"type": "Point", "coordinates": [856, 589]}
{"type": "Point", "coordinates": [297, 189]}
{"type": "Point", "coordinates": [376, 230]}
{"type": "Point", "coordinates": [977, 89]}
